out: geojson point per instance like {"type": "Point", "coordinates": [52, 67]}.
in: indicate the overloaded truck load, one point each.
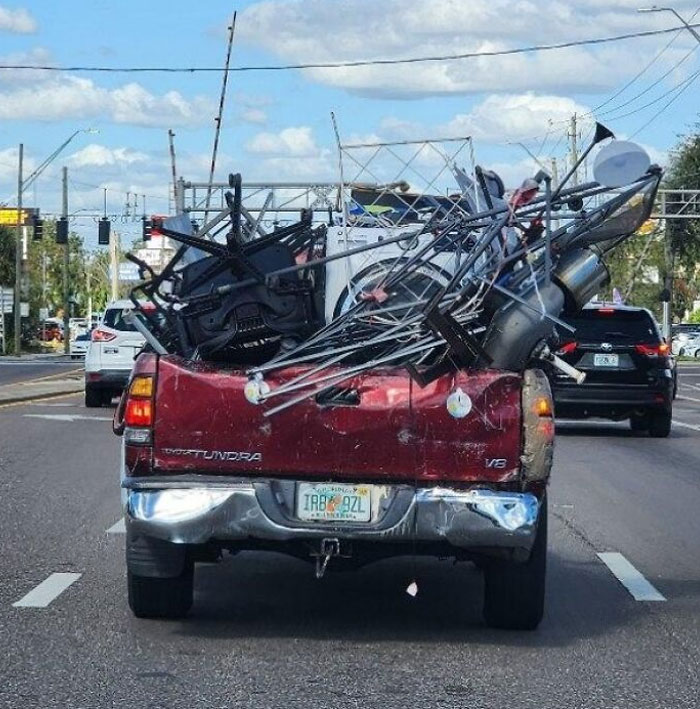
{"type": "Point", "coordinates": [369, 386]}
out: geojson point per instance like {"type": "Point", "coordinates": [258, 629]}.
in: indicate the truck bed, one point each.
{"type": "Point", "coordinates": [397, 432]}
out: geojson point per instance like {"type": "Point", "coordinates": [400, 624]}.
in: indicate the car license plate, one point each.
{"type": "Point", "coordinates": [334, 502]}
{"type": "Point", "coordinates": [606, 360]}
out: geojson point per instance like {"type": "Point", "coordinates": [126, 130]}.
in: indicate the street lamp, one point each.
{"type": "Point", "coordinates": [22, 185]}
{"type": "Point", "coordinates": [668, 285]}
{"type": "Point", "coordinates": [689, 27]}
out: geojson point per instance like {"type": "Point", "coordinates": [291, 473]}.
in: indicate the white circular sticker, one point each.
{"type": "Point", "coordinates": [459, 404]}
{"type": "Point", "coordinates": [255, 389]}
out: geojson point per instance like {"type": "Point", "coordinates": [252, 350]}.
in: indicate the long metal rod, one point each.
{"type": "Point", "coordinates": [220, 114]}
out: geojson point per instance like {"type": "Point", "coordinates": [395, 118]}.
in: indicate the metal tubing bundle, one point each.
{"type": "Point", "coordinates": [507, 275]}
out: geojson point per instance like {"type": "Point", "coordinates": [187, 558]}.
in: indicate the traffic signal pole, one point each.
{"type": "Point", "coordinates": [18, 257]}
{"type": "Point", "coordinates": [66, 263]}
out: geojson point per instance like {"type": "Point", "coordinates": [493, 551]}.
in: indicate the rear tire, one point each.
{"type": "Point", "coordinates": [161, 598]}
{"type": "Point", "coordinates": [639, 423]}
{"type": "Point", "coordinates": [660, 424]}
{"type": "Point", "coordinates": [514, 592]}
{"type": "Point", "coordinates": [94, 397]}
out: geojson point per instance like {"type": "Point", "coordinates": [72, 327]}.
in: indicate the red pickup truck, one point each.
{"type": "Point", "coordinates": [384, 468]}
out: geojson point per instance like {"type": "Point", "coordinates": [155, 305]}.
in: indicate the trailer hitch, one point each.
{"type": "Point", "coordinates": [330, 547]}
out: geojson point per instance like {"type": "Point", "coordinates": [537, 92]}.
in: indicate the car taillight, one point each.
{"type": "Point", "coordinates": [606, 311]}
{"type": "Point", "coordinates": [139, 410]}
{"type": "Point", "coordinates": [567, 348]}
{"type": "Point", "coordinates": [102, 335]}
{"type": "Point", "coordinates": [660, 350]}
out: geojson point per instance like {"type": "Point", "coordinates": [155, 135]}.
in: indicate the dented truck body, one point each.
{"type": "Point", "coordinates": [212, 473]}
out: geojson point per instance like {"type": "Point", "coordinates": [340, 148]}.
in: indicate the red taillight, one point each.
{"type": "Point", "coordinates": [567, 348]}
{"type": "Point", "coordinates": [606, 311]}
{"type": "Point", "coordinates": [139, 412]}
{"type": "Point", "coordinates": [102, 335]}
{"type": "Point", "coordinates": [653, 350]}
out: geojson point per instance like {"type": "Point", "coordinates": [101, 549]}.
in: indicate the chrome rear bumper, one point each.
{"type": "Point", "coordinates": [200, 511]}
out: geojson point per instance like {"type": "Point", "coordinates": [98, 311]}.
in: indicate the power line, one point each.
{"type": "Point", "coordinates": [646, 67]}
{"type": "Point", "coordinates": [357, 63]}
{"type": "Point", "coordinates": [666, 105]}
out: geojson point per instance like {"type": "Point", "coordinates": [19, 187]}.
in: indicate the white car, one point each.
{"type": "Point", "coordinates": [79, 345]}
{"type": "Point", "coordinates": [690, 345]}
{"type": "Point", "coordinates": [113, 347]}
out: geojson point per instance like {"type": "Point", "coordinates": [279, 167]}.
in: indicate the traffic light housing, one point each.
{"type": "Point", "coordinates": [38, 226]}
{"type": "Point", "coordinates": [62, 231]}
{"type": "Point", "coordinates": [146, 228]}
{"type": "Point", "coordinates": [103, 231]}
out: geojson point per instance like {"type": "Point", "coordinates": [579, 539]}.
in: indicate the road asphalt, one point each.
{"type": "Point", "coordinates": [264, 633]}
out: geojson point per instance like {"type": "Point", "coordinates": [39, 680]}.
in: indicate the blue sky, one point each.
{"type": "Point", "coordinates": [277, 125]}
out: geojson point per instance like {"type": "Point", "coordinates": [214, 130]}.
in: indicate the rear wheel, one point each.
{"type": "Point", "coordinates": [94, 397]}
{"type": "Point", "coordinates": [161, 598]}
{"type": "Point", "coordinates": [639, 423]}
{"type": "Point", "coordinates": [514, 592]}
{"type": "Point", "coordinates": [660, 424]}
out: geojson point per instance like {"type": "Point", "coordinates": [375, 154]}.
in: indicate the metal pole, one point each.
{"type": "Point", "coordinates": [18, 257]}
{"type": "Point", "coordinates": [574, 149]}
{"type": "Point", "coordinates": [114, 262]}
{"type": "Point", "coordinates": [668, 275]}
{"type": "Point", "coordinates": [220, 115]}
{"type": "Point", "coordinates": [171, 141]}
{"type": "Point", "coordinates": [66, 264]}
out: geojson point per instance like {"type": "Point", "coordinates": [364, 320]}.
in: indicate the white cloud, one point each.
{"type": "Point", "coordinates": [35, 56]}
{"type": "Point", "coordinates": [18, 21]}
{"type": "Point", "coordinates": [364, 29]}
{"type": "Point", "coordinates": [502, 118]}
{"type": "Point", "coordinates": [66, 96]}
{"type": "Point", "coordinates": [295, 141]}
{"type": "Point", "coordinates": [254, 115]}
{"type": "Point", "coordinates": [95, 155]}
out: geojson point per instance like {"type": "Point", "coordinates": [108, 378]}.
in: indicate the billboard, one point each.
{"type": "Point", "coordinates": [8, 216]}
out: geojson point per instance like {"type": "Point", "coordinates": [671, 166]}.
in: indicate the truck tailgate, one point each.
{"type": "Point", "coordinates": [397, 431]}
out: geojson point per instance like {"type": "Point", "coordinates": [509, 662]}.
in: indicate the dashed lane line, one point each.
{"type": "Point", "coordinates": [117, 528]}
{"type": "Point", "coordinates": [630, 578]}
{"type": "Point", "coordinates": [47, 591]}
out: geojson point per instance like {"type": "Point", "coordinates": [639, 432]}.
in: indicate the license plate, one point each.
{"type": "Point", "coordinates": [606, 360]}
{"type": "Point", "coordinates": [334, 502]}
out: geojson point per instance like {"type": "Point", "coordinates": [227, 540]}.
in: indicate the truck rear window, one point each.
{"type": "Point", "coordinates": [618, 327]}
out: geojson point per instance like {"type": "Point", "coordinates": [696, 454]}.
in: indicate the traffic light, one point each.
{"type": "Point", "coordinates": [62, 231]}
{"type": "Point", "coordinates": [146, 228]}
{"type": "Point", "coordinates": [103, 231]}
{"type": "Point", "coordinates": [38, 225]}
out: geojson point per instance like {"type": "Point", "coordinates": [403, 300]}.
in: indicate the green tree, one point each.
{"type": "Point", "coordinates": [7, 256]}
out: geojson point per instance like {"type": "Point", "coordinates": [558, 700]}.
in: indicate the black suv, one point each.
{"type": "Point", "coordinates": [628, 369]}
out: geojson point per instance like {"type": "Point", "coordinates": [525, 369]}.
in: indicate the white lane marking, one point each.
{"type": "Point", "coordinates": [67, 417]}
{"type": "Point", "coordinates": [47, 591]}
{"type": "Point", "coordinates": [686, 425]}
{"type": "Point", "coordinates": [687, 398]}
{"type": "Point", "coordinates": [630, 578]}
{"type": "Point", "coordinates": [38, 403]}
{"type": "Point", "coordinates": [117, 527]}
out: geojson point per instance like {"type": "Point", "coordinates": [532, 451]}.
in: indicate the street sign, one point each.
{"type": "Point", "coordinates": [7, 299]}
{"type": "Point", "coordinates": [128, 272]}
{"type": "Point", "coordinates": [43, 313]}
{"type": "Point", "coordinates": [8, 216]}
{"type": "Point", "coordinates": [24, 310]}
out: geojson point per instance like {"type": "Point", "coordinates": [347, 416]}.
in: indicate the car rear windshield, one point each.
{"type": "Point", "coordinates": [617, 327]}
{"type": "Point", "coordinates": [114, 318]}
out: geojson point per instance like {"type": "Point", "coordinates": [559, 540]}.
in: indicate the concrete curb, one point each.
{"type": "Point", "coordinates": [16, 393]}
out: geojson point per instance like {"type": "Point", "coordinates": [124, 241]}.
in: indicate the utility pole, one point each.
{"type": "Point", "coordinates": [114, 265]}
{"type": "Point", "coordinates": [171, 141]}
{"type": "Point", "coordinates": [574, 149]}
{"type": "Point", "coordinates": [18, 257]}
{"type": "Point", "coordinates": [66, 264]}
{"type": "Point", "coordinates": [668, 275]}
